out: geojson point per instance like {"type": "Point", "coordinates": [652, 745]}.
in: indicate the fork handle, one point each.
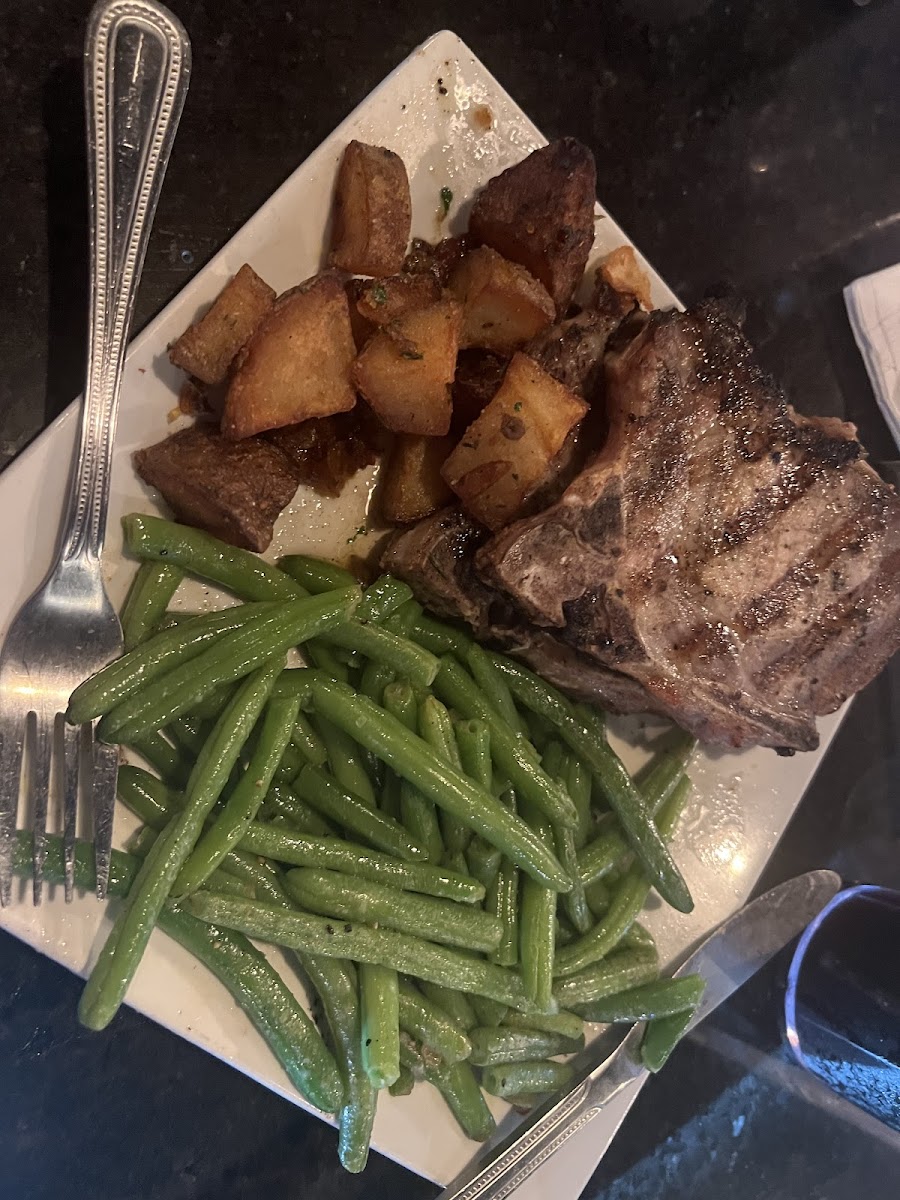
{"type": "Point", "coordinates": [137, 64]}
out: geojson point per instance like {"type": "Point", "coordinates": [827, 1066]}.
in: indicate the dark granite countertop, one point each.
{"type": "Point", "coordinates": [740, 142]}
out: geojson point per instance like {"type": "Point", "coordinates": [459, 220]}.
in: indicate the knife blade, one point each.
{"type": "Point", "coordinates": [726, 959]}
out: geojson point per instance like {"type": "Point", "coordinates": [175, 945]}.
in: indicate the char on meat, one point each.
{"type": "Point", "coordinates": [436, 558]}
{"type": "Point", "coordinates": [738, 561]}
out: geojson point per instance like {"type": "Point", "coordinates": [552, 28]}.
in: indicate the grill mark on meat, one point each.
{"type": "Point", "coordinates": [721, 549]}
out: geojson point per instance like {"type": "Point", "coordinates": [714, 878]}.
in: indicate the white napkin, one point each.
{"type": "Point", "coordinates": [873, 306]}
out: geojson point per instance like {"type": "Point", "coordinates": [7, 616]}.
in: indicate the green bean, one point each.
{"type": "Point", "coordinates": [624, 798]}
{"type": "Point", "coordinates": [436, 729]}
{"type": "Point", "coordinates": [326, 892]}
{"type": "Point", "coordinates": [473, 741]}
{"type": "Point", "coordinates": [459, 1087]}
{"type": "Point", "coordinates": [537, 928]}
{"type": "Point", "coordinates": [109, 980]}
{"type": "Point", "coordinates": [316, 574]}
{"type": "Point", "coordinates": [389, 802]}
{"type": "Point", "coordinates": [566, 1024]}
{"type": "Point", "coordinates": [574, 902]}
{"type": "Point", "coordinates": [209, 708]}
{"type": "Point", "coordinates": [152, 588]}
{"type": "Point", "coordinates": [649, 1001]}
{"type": "Point", "coordinates": [488, 1011]}
{"type": "Point", "coordinates": [305, 739]}
{"type": "Point", "coordinates": [656, 781]}
{"type": "Point", "coordinates": [325, 659]}
{"type": "Point", "coordinates": [503, 902]}
{"type": "Point", "coordinates": [411, 758]}
{"type": "Point", "coordinates": [301, 817]}
{"type": "Point", "coordinates": [375, 678]}
{"type": "Point", "coordinates": [565, 934]}
{"type": "Point", "coordinates": [243, 804]}
{"type": "Point", "coordinates": [330, 853]}
{"type": "Point", "coordinates": [512, 754]}
{"type": "Point", "coordinates": [620, 971]}
{"type": "Point", "coordinates": [402, 619]}
{"type": "Point", "coordinates": [431, 1025]}
{"type": "Point", "coordinates": [163, 757]}
{"type": "Point", "coordinates": [483, 861]}
{"type": "Point", "coordinates": [199, 553]}
{"type": "Point", "coordinates": [139, 842]}
{"type": "Point", "coordinates": [526, 1078]}
{"type": "Point", "coordinates": [263, 875]}
{"type": "Point", "coordinates": [190, 734]}
{"type": "Point", "coordinates": [379, 1004]}
{"type": "Point", "coordinates": [380, 645]}
{"type": "Point", "coordinates": [404, 1083]}
{"type": "Point", "coordinates": [127, 675]}
{"type": "Point", "coordinates": [597, 895]}
{"type": "Point", "coordinates": [417, 812]}
{"type": "Point", "coordinates": [495, 689]}
{"type": "Point", "coordinates": [638, 938]}
{"type": "Point", "coordinates": [454, 1004]}
{"type": "Point", "coordinates": [503, 1045]}
{"type": "Point", "coordinates": [578, 785]}
{"type": "Point", "coordinates": [331, 800]}
{"type": "Point", "coordinates": [246, 973]}
{"type": "Point", "coordinates": [661, 1037]}
{"type": "Point", "coordinates": [439, 637]}
{"type": "Point", "coordinates": [232, 657]}
{"type": "Point", "coordinates": [362, 943]}
{"type": "Point", "coordinates": [345, 762]}
{"type": "Point", "coordinates": [413, 1055]}
{"type": "Point", "coordinates": [336, 985]}
{"type": "Point", "coordinates": [382, 598]}
{"type": "Point", "coordinates": [628, 899]}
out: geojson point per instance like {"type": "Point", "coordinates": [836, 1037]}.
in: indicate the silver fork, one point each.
{"type": "Point", "coordinates": [137, 63]}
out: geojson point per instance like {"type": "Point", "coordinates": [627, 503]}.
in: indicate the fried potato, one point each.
{"type": "Point", "coordinates": [624, 274]}
{"type": "Point", "coordinates": [503, 306]}
{"type": "Point", "coordinates": [406, 369]}
{"type": "Point", "coordinates": [540, 213]}
{"type": "Point", "coordinates": [381, 301]}
{"type": "Point", "coordinates": [372, 211]}
{"type": "Point", "coordinates": [297, 365]}
{"type": "Point", "coordinates": [507, 453]}
{"type": "Point", "coordinates": [413, 487]}
{"type": "Point", "coordinates": [207, 348]}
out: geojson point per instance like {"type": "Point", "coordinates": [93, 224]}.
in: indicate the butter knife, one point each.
{"type": "Point", "coordinates": [726, 959]}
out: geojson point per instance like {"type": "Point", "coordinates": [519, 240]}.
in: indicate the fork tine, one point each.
{"type": "Point", "coordinates": [40, 787]}
{"type": "Point", "coordinates": [11, 743]}
{"type": "Point", "coordinates": [71, 736]}
{"type": "Point", "coordinates": [103, 797]}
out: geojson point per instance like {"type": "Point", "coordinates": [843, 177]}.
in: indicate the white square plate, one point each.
{"type": "Point", "coordinates": [432, 110]}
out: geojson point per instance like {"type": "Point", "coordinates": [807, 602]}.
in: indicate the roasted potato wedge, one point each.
{"type": "Point", "coordinates": [507, 453]}
{"type": "Point", "coordinates": [207, 348]}
{"type": "Point", "coordinates": [372, 211]}
{"type": "Point", "coordinates": [503, 306]}
{"type": "Point", "coordinates": [413, 486]}
{"type": "Point", "coordinates": [297, 365]}
{"type": "Point", "coordinates": [381, 301]}
{"type": "Point", "coordinates": [624, 274]}
{"type": "Point", "coordinates": [540, 213]}
{"type": "Point", "coordinates": [406, 369]}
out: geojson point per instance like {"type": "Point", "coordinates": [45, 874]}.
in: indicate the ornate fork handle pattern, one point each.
{"type": "Point", "coordinates": [137, 66]}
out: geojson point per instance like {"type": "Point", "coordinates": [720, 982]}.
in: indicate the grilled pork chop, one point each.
{"type": "Point", "coordinates": [436, 558]}
{"type": "Point", "coordinates": [738, 561]}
